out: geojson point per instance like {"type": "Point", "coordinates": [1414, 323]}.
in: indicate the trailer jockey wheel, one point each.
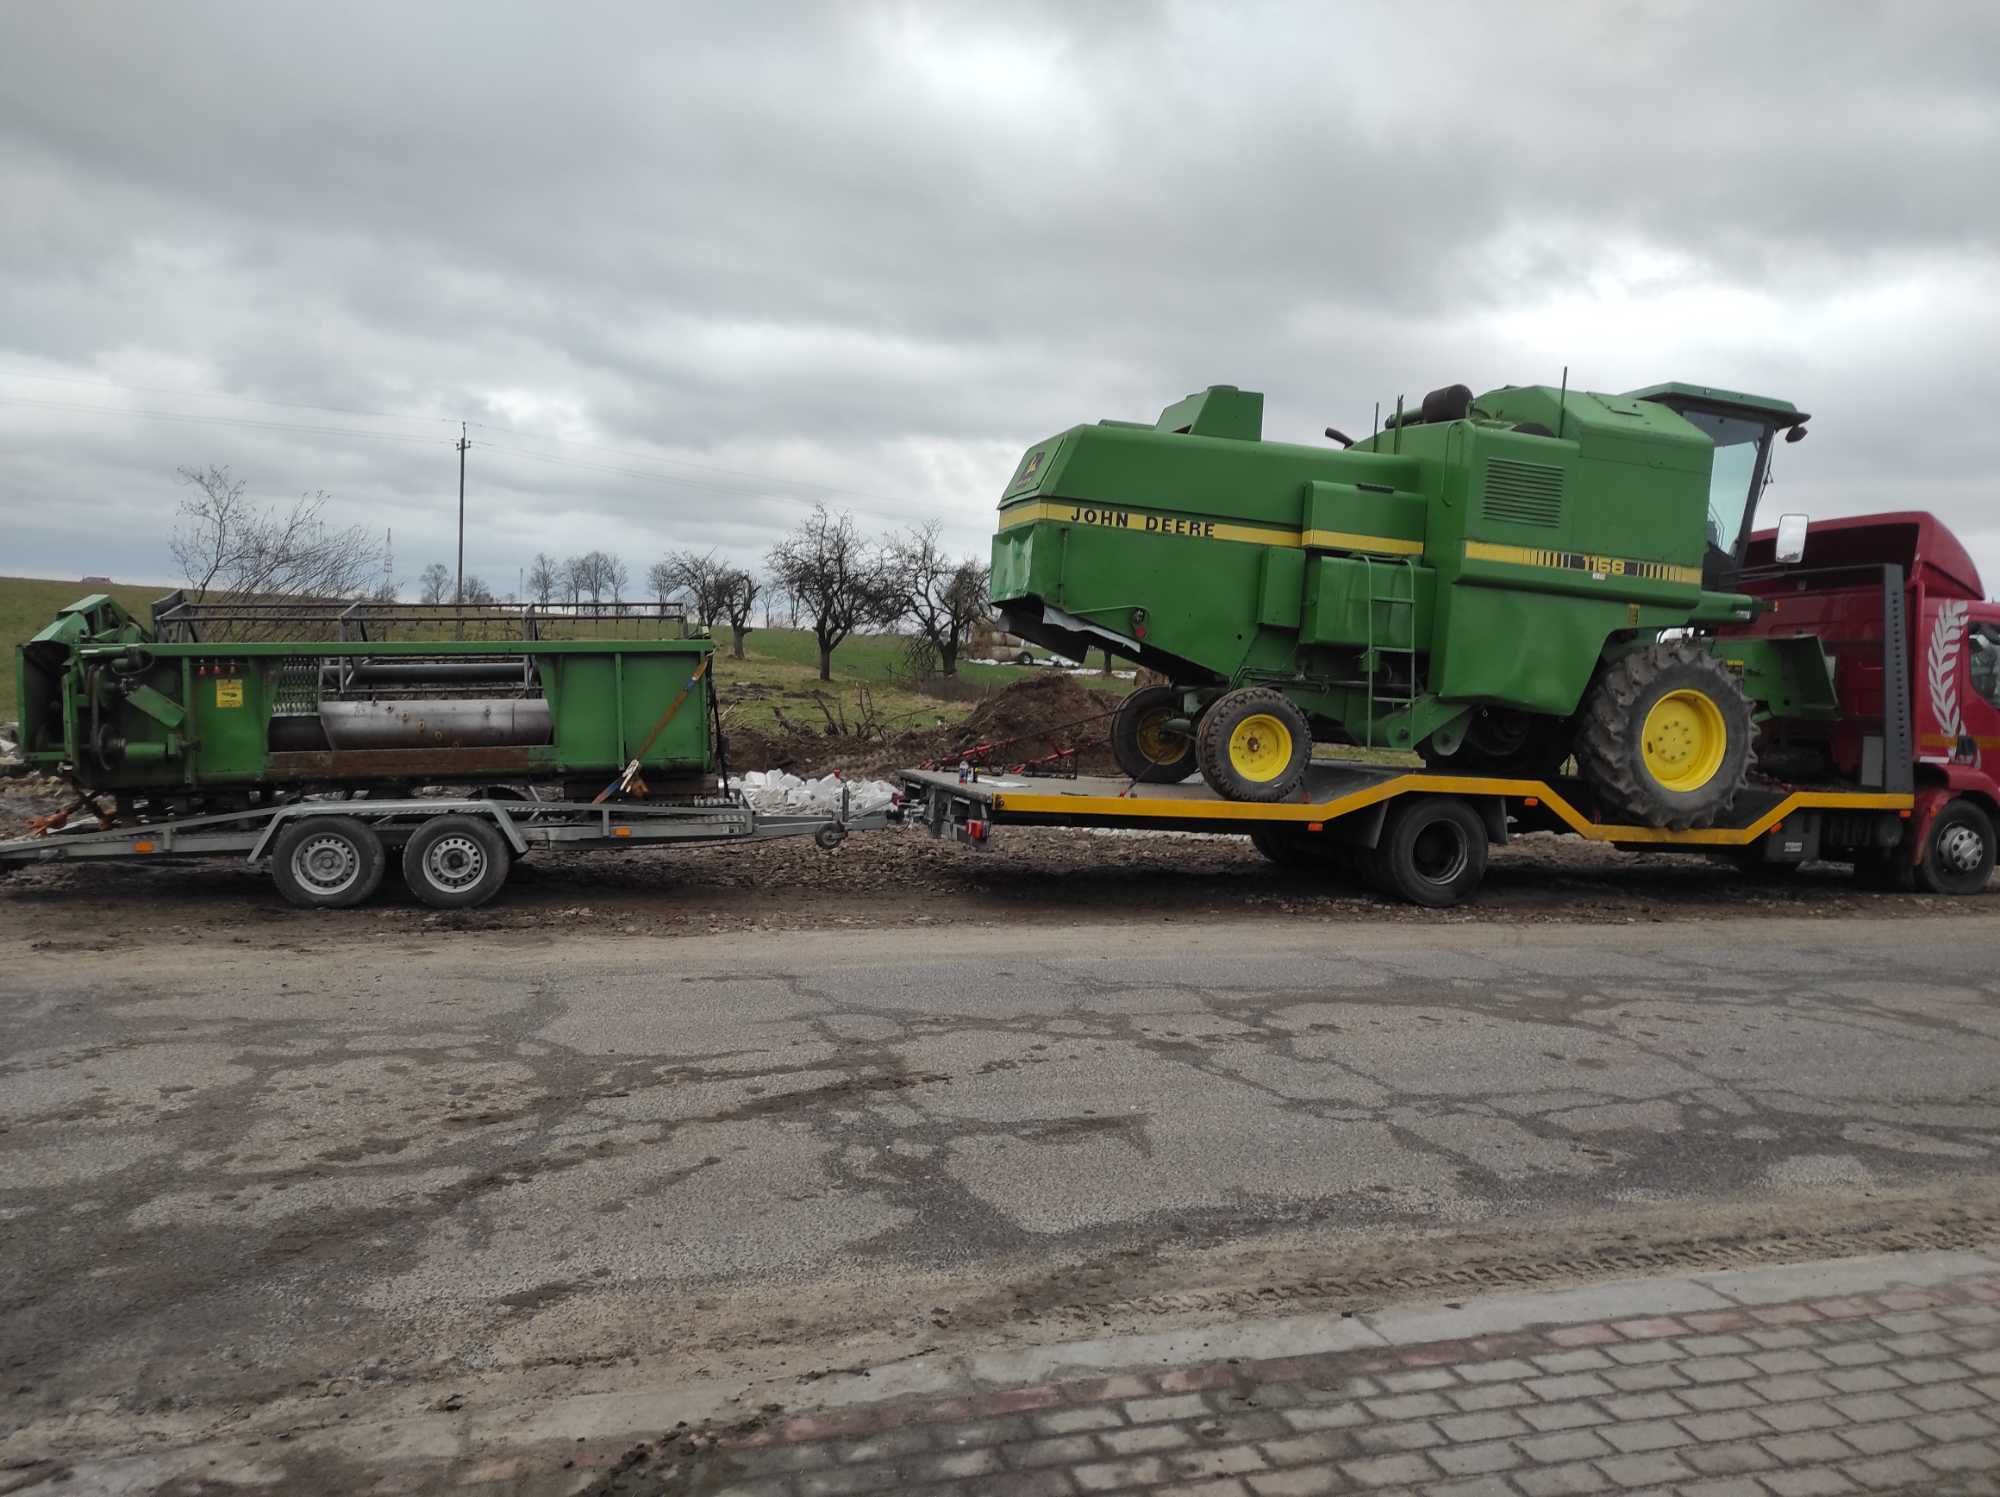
{"type": "Point", "coordinates": [1253, 745]}
{"type": "Point", "coordinates": [1665, 737]}
{"type": "Point", "coordinates": [1145, 740]}
{"type": "Point", "coordinates": [327, 862]}
{"type": "Point", "coordinates": [455, 862]}
{"type": "Point", "coordinates": [1432, 851]}
{"type": "Point", "coordinates": [1958, 854]}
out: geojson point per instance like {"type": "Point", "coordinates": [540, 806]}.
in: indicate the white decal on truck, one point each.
{"type": "Point", "coordinates": [1941, 666]}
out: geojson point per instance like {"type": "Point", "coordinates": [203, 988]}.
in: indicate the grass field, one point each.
{"type": "Point", "coordinates": [776, 682]}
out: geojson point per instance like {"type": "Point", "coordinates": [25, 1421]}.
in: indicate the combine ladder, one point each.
{"type": "Point", "coordinates": [1402, 572]}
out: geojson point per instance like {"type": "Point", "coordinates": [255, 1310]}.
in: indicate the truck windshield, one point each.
{"type": "Point", "coordinates": [1739, 442]}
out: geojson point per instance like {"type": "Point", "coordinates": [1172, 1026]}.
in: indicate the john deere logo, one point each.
{"type": "Point", "coordinates": [1031, 467]}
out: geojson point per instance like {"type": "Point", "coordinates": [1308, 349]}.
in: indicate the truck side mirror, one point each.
{"type": "Point", "coordinates": [1791, 543]}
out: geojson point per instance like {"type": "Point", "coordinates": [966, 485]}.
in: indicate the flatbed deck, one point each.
{"type": "Point", "coordinates": [1346, 806]}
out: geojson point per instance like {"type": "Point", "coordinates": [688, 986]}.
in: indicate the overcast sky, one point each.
{"type": "Point", "coordinates": [687, 270]}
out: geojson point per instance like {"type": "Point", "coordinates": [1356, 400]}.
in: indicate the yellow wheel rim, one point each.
{"type": "Point", "coordinates": [1158, 743]}
{"type": "Point", "coordinates": [1684, 740]}
{"type": "Point", "coordinates": [1260, 747]}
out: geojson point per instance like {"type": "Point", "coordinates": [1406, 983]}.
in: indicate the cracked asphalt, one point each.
{"type": "Point", "coordinates": [231, 1176]}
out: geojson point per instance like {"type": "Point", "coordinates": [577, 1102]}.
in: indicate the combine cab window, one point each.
{"type": "Point", "coordinates": [1983, 659]}
{"type": "Point", "coordinates": [1739, 442]}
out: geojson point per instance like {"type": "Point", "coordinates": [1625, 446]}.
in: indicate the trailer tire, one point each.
{"type": "Point", "coordinates": [1958, 853]}
{"type": "Point", "coordinates": [1666, 737]}
{"type": "Point", "coordinates": [1149, 752]}
{"type": "Point", "coordinates": [1253, 745]}
{"type": "Point", "coordinates": [327, 862]}
{"type": "Point", "coordinates": [1432, 851]}
{"type": "Point", "coordinates": [456, 862]}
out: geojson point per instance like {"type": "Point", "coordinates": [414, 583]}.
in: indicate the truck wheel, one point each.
{"type": "Point", "coordinates": [327, 862]}
{"type": "Point", "coordinates": [1254, 745]}
{"type": "Point", "coordinates": [1432, 851]}
{"type": "Point", "coordinates": [1958, 855]}
{"type": "Point", "coordinates": [1147, 749]}
{"type": "Point", "coordinates": [455, 862]}
{"type": "Point", "coordinates": [1666, 737]}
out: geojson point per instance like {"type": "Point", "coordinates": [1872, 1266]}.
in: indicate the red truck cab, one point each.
{"type": "Point", "coordinates": [1919, 713]}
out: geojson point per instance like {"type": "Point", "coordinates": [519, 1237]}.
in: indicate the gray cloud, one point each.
{"type": "Point", "coordinates": [691, 269]}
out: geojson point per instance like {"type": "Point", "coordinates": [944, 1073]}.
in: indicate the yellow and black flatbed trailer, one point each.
{"type": "Point", "coordinates": [1415, 833]}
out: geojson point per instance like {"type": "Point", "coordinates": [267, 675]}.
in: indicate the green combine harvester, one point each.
{"type": "Point", "coordinates": [1497, 583]}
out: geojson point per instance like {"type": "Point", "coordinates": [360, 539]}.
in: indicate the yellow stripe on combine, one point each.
{"type": "Point", "coordinates": [1581, 561]}
{"type": "Point", "coordinates": [1144, 522]}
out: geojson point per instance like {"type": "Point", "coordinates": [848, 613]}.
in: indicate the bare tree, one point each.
{"type": "Point", "coordinates": [739, 591]}
{"type": "Point", "coordinates": [943, 598]}
{"type": "Point", "coordinates": [700, 575]}
{"type": "Point", "coordinates": [385, 591]}
{"type": "Point", "coordinates": [544, 578]}
{"type": "Point", "coordinates": [575, 579]}
{"type": "Point", "coordinates": [229, 546]}
{"type": "Point", "coordinates": [662, 582]}
{"type": "Point", "coordinates": [434, 582]}
{"type": "Point", "coordinates": [615, 576]}
{"type": "Point", "coordinates": [476, 592]}
{"type": "Point", "coordinates": [834, 578]}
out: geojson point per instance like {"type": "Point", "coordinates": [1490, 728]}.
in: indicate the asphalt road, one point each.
{"type": "Point", "coordinates": [228, 1171]}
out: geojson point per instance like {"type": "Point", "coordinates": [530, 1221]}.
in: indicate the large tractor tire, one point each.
{"type": "Point", "coordinates": [1148, 749]}
{"type": "Point", "coordinates": [1665, 737]}
{"type": "Point", "coordinates": [1253, 745]}
{"type": "Point", "coordinates": [1503, 741]}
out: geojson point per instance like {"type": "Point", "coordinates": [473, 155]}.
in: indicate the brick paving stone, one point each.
{"type": "Point", "coordinates": [1144, 1440]}
{"type": "Point", "coordinates": [1716, 1369]}
{"type": "Point", "coordinates": [1510, 1370]}
{"type": "Point", "coordinates": [1962, 1425]}
{"type": "Point", "coordinates": [1855, 1354]}
{"type": "Point", "coordinates": [1973, 1455]}
{"type": "Point", "coordinates": [1550, 1417]}
{"type": "Point", "coordinates": [1330, 1445]}
{"type": "Point", "coordinates": [1578, 1480]}
{"type": "Point", "coordinates": [1493, 1396]}
{"type": "Point", "coordinates": [1810, 1483]}
{"type": "Point", "coordinates": [1048, 1483]}
{"type": "Point", "coordinates": [1796, 1450]}
{"type": "Point", "coordinates": [1791, 1418]}
{"type": "Point", "coordinates": [1863, 1379]}
{"type": "Point", "coordinates": [1885, 1472]}
{"type": "Point", "coordinates": [1643, 1406]}
{"type": "Point", "coordinates": [1720, 1396]}
{"type": "Point", "coordinates": [1728, 1460]}
{"type": "Point", "coordinates": [1311, 1483]}
{"type": "Point", "coordinates": [1903, 1322]}
{"type": "Point", "coordinates": [1225, 1486]}
{"type": "Point", "coordinates": [1409, 1406]}
{"type": "Point", "coordinates": [1714, 1346]}
{"type": "Point", "coordinates": [1936, 1398]}
{"type": "Point", "coordinates": [1791, 1385]}
{"type": "Point", "coordinates": [1109, 1476]}
{"type": "Point", "coordinates": [1063, 1450]}
{"type": "Point", "coordinates": [1641, 1379]}
{"type": "Point", "coordinates": [1794, 1360]}
{"type": "Point", "coordinates": [1889, 1436]}
{"type": "Point", "coordinates": [1498, 1425]}
{"type": "Point", "coordinates": [1928, 1344]}
{"type": "Point", "coordinates": [1230, 1460]}
{"type": "Point", "coordinates": [1587, 1359]}
{"type": "Point", "coordinates": [1782, 1339]}
{"type": "Point", "coordinates": [1419, 1380]}
{"type": "Point", "coordinates": [1389, 1470]}
{"type": "Point", "coordinates": [1734, 1424]}
{"type": "Point", "coordinates": [1153, 1410]}
{"type": "Point", "coordinates": [1650, 1434]}
{"type": "Point", "coordinates": [1864, 1407]}
{"type": "Point", "coordinates": [1070, 1421]}
{"type": "Point", "coordinates": [1565, 1445]}
{"type": "Point", "coordinates": [1638, 1353]}
{"type": "Point", "coordinates": [1573, 1385]}
{"type": "Point", "coordinates": [1324, 1416]}
{"type": "Point", "coordinates": [1932, 1371]}
{"type": "Point", "coordinates": [1420, 1435]}
{"type": "Point", "coordinates": [1649, 1469]}
{"type": "Point", "coordinates": [1726, 1486]}
{"type": "Point", "coordinates": [1482, 1459]}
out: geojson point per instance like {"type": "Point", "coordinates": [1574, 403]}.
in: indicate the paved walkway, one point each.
{"type": "Point", "coordinates": [1870, 1375]}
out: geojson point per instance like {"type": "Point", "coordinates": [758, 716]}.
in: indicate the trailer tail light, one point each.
{"type": "Point", "coordinates": [975, 831]}
{"type": "Point", "coordinates": [145, 847]}
{"type": "Point", "coordinates": [1315, 826]}
{"type": "Point", "coordinates": [621, 831]}
{"type": "Point", "coordinates": [1530, 800]}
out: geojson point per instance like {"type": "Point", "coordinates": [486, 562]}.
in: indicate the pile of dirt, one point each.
{"type": "Point", "coordinates": [1031, 719]}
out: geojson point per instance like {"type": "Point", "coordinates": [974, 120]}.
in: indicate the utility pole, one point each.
{"type": "Point", "coordinates": [462, 445]}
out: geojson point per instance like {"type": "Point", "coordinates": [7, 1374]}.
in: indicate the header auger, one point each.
{"type": "Point", "coordinates": [1498, 583]}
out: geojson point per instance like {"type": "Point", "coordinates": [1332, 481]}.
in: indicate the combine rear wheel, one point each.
{"type": "Point", "coordinates": [327, 862]}
{"type": "Point", "coordinates": [1146, 743]}
{"type": "Point", "coordinates": [1253, 745]}
{"type": "Point", "coordinates": [1665, 739]}
{"type": "Point", "coordinates": [455, 862]}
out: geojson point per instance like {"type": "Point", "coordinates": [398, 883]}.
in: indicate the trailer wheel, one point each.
{"type": "Point", "coordinates": [1149, 750]}
{"type": "Point", "coordinates": [1432, 851]}
{"type": "Point", "coordinates": [327, 862]}
{"type": "Point", "coordinates": [1958, 854]}
{"type": "Point", "coordinates": [455, 862]}
{"type": "Point", "coordinates": [1666, 737]}
{"type": "Point", "coordinates": [1253, 744]}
